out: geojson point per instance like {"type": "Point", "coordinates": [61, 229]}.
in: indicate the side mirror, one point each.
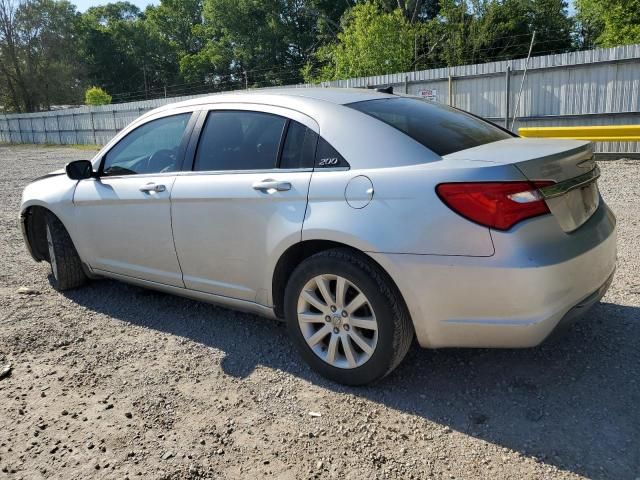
{"type": "Point", "coordinates": [79, 170]}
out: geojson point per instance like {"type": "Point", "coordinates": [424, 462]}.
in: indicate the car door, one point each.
{"type": "Point", "coordinates": [125, 214]}
{"type": "Point", "coordinates": [244, 201]}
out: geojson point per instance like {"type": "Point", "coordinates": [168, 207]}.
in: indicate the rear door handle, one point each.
{"type": "Point", "coordinates": [271, 186]}
{"type": "Point", "coordinates": [152, 187]}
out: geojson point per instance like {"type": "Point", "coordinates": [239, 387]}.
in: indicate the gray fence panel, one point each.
{"type": "Point", "coordinates": [4, 130]}
{"type": "Point", "coordinates": [24, 127]}
{"type": "Point", "coordinates": [69, 137]}
{"type": "Point", "coordinates": [124, 118]}
{"type": "Point", "coordinates": [66, 122]}
{"type": "Point", "coordinates": [483, 96]}
{"type": "Point", "coordinates": [595, 87]}
{"type": "Point", "coordinates": [104, 136]}
{"type": "Point", "coordinates": [85, 137]}
{"type": "Point", "coordinates": [104, 121]}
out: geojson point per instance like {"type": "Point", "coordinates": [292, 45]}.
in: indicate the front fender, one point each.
{"type": "Point", "coordinates": [53, 193]}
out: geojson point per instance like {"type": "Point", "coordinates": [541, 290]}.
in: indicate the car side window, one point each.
{"type": "Point", "coordinates": [299, 147]}
{"type": "Point", "coordinates": [239, 140]}
{"type": "Point", "coordinates": [151, 148]}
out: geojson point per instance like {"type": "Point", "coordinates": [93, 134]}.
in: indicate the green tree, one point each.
{"type": "Point", "coordinates": [96, 96]}
{"type": "Point", "coordinates": [39, 65]}
{"type": "Point", "coordinates": [372, 42]}
{"type": "Point", "coordinates": [125, 54]}
{"type": "Point", "coordinates": [479, 31]}
{"type": "Point", "coordinates": [174, 21]}
{"type": "Point", "coordinates": [608, 23]}
{"type": "Point", "coordinates": [270, 40]}
{"type": "Point", "coordinates": [413, 10]}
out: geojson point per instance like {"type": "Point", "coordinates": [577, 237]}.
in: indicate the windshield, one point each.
{"type": "Point", "coordinates": [440, 128]}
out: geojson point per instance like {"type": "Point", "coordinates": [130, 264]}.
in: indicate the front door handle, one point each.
{"type": "Point", "coordinates": [272, 186]}
{"type": "Point", "coordinates": [152, 187]}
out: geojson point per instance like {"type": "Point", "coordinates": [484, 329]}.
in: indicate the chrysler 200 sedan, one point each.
{"type": "Point", "coordinates": [362, 219]}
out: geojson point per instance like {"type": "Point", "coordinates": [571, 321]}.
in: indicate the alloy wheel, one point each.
{"type": "Point", "coordinates": [337, 321]}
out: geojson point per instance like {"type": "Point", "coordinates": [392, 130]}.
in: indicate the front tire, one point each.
{"type": "Point", "coordinates": [66, 267]}
{"type": "Point", "coordinates": [346, 317]}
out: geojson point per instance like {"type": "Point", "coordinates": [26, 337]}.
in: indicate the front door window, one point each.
{"type": "Point", "coordinates": [152, 148]}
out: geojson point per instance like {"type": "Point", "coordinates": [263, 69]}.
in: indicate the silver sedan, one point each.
{"type": "Point", "coordinates": [362, 219]}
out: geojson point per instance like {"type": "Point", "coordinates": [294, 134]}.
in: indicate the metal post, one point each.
{"type": "Point", "coordinates": [59, 132]}
{"type": "Point", "coordinates": [75, 129]}
{"type": "Point", "coordinates": [507, 81]}
{"type": "Point", "coordinates": [93, 128]}
{"type": "Point", "coordinates": [406, 84]}
{"type": "Point", "coordinates": [524, 76]}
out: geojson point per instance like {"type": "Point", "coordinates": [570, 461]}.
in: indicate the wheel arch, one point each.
{"type": "Point", "coordinates": [297, 253]}
{"type": "Point", "coordinates": [34, 223]}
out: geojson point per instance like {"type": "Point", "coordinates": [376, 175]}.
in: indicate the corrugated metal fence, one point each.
{"type": "Point", "coordinates": [595, 87]}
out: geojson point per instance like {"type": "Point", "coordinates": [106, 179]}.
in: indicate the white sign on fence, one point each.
{"type": "Point", "coordinates": [429, 94]}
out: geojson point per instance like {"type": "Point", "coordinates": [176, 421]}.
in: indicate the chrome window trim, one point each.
{"type": "Point", "coordinates": [559, 189]}
{"type": "Point", "coordinates": [238, 172]}
{"type": "Point", "coordinates": [284, 112]}
{"type": "Point", "coordinates": [105, 178]}
{"type": "Point", "coordinates": [267, 170]}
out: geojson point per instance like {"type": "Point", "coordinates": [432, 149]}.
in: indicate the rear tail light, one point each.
{"type": "Point", "coordinates": [498, 205]}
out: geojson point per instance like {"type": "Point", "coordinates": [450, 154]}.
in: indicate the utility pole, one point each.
{"type": "Point", "coordinates": [507, 82]}
{"type": "Point", "coordinates": [415, 52]}
{"type": "Point", "coordinates": [524, 76]}
{"type": "Point", "coordinates": [144, 74]}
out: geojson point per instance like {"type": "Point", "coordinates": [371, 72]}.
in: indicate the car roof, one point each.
{"type": "Point", "coordinates": [337, 96]}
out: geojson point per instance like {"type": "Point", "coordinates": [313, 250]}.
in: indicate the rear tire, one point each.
{"type": "Point", "coordinates": [346, 318]}
{"type": "Point", "coordinates": [66, 267]}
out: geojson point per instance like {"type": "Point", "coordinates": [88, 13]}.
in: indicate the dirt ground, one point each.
{"type": "Point", "coordinates": [113, 381]}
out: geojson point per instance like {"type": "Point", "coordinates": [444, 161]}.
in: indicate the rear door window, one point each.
{"type": "Point", "coordinates": [440, 128]}
{"type": "Point", "coordinates": [239, 140]}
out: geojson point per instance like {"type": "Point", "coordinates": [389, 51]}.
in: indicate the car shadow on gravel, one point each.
{"type": "Point", "coordinates": [572, 403]}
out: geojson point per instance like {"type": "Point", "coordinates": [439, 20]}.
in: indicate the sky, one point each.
{"type": "Point", "coordinates": [84, 4]}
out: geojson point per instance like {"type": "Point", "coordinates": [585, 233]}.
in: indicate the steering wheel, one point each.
{"type": "Point", "coordinates": [161, 161]}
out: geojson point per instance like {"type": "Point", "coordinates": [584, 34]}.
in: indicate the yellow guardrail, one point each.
{"type": "Point", "coordinates": [609, 133]}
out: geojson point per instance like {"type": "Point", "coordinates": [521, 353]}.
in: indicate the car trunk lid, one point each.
{"type": "Point", "coordinates": [574, 196]}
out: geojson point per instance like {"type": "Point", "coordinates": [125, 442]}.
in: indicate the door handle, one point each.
{"type": "Point", "coordinates": [152, 187]}
{"type": "Point", "coordinates": [271, 186]}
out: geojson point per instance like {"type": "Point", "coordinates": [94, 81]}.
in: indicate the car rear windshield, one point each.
{"type": "Point", "coordinates": [440, 128]}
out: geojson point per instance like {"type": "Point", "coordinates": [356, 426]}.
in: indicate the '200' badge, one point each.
{"type": "Point", "coordinates": [326, 162]}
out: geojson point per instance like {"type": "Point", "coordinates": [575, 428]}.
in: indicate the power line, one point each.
{"type": "Point", "coordinates": [278, 75]}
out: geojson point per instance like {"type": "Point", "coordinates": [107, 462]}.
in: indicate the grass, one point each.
{"type": "Point", "coordinates": [52, 145]}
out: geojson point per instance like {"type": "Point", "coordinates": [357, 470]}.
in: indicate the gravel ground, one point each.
{"type": "Point", "coordinates": [113, 381]}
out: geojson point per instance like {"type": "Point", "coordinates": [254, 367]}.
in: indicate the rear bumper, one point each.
{"type": "Point", "coordinates": [579, 310]}
{"type": "Point", "coordinates": [539, 278]}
